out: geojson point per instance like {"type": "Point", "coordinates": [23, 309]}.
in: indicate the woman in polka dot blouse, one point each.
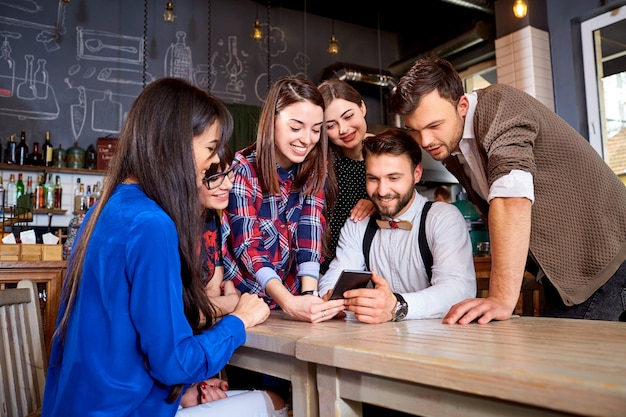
{"type": "Point", "coordinates": [345, 190]}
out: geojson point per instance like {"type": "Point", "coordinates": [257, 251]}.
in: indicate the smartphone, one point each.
{"type": "Point", "coordinates": [350, 280]}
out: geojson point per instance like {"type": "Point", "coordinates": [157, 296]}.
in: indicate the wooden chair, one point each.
{"type": "Point", "coordinates": [22, 364]}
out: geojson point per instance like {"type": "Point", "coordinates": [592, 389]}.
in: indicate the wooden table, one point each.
{"type": "Point", "coordinates": [521, 367]}
{"type": "Point", "coordinates": [270, 348]}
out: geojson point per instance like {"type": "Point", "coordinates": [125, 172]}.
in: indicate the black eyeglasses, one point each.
{"type": "Point", "coordinates": [216, 180]}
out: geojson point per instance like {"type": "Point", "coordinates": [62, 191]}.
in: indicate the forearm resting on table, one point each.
{"type": "Point", "coordinates": [509, 234]}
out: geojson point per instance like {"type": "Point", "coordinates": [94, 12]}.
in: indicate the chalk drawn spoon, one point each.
{"type": "Point", "coordinates": [96, 45]}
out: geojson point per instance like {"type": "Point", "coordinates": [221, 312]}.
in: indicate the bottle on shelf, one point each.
{"type": "Point", "coordinates": [19, 187]}
{"type": "Point", "coordinates": [29, 190]}
{"type": "Point", "coordinates": [2, 194]}
{"type": "Point", "coordinates": [88, 198]}
{"type": "Point", "coordinates": [58, 192]}
{"type": "Point", "coordinates": [47, 151]}
{"type": "Point", "coordinates": [58, 157]}
{"type": "Point", "coordinates": [34, 158]}
{"type": "Point", "coordinates": [40, 195]}
{"type": "Point", "coordinates": [78, 199]}
{"type": "Point", "coordinates": [90, 157]}
{"type": "Point", "coordinates": [97, 191]}
{"type": "Point", "coordinates": [22, 150]}
{"type": "Point", "coordinates": [75, 157]}
{"type": "Point", "coordinates": [49, 191]}
{"type": "Point", "coordinates": [29, 185]}
{"type": "Point", "coordinates": [11, 157]}
{"type": "Point", "coordinates": [11, 191]}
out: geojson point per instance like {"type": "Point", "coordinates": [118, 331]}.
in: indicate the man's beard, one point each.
{"type": "Point", "coordinates": [401, 203]}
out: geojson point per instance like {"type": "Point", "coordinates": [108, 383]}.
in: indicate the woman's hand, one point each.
{"type": "Point", "coordinates": [212, 389]}
{"type": "Point", "coordinates": [222, 294]}
{"type": "Point", "coordinates": [361, 210]}
{"type": "Point", "coordinates": [251, 309]}
{"type": "Point", "coordinates": [312, 308]}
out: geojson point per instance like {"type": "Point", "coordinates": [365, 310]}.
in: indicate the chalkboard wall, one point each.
{"type": "Point", "coordinates": [74, 68]}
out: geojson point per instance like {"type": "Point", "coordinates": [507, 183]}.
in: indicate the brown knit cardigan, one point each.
{"type": "Point", "coordinates": [578, 232]}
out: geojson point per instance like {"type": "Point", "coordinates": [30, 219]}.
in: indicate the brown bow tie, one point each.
{"type": "Point", "coordinates": [390, 224]}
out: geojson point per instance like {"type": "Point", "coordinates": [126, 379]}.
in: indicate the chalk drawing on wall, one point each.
{"type": "Point", "coordinates": [7, 64]}
{"type": "Point", "coordinates": [78, 112]}
{"type": "Point", "coordinates": [33, 14]}
{"type": "Point", "coordinates": [277, 47]}
{"type": "Point", "coordinates": [123, 76]}
{"type": "Point", "coordinates": [178, 61]}
{"type": "Point", "coordinates": [106, 114]}
{"type": "Point", "coordinates": [18, 94]}
{"type": "Point", "coordinates": [106, 46]}
{"type": "Point", "coordinates": [202, 77]}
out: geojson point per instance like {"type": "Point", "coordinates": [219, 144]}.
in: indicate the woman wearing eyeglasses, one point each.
{"type": "Point", "coordinates": [275, 206]}
{"type": "Point", "coordinates": [201, 399]}
{"type": "Point", "coordinates": [135, 326]}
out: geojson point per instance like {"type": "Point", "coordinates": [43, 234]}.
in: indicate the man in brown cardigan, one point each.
{"type": "Point", "coordinates": [546, 195]}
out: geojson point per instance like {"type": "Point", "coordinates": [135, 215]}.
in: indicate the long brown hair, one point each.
{"type": "Point", "coordinates": [159, 132]}
{"type": "Point", "coordinates": [311, 173]}
{"type": "Point", "coordinates": [332, 89]}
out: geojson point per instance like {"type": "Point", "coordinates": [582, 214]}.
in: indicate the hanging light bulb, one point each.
{"type": "Point", "coordinates": [333, 46]}
{"type": "Point", "coordinates": [168, 14]}
{"type": "Point", "coordinates": [520, 8]}
{"type": "Point", "coordinates": [257, 33]}
{"type": "Point", "coordinates": [66, 1]}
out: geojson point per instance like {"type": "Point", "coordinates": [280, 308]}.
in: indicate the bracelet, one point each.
{"type": "Point", "coordinates": [310, 292]}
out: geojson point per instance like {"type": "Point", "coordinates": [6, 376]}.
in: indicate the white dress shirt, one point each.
{"type": "Point", "coordinates": [395, 256]}
{"type": "Point", "coordinates": [515, 184]}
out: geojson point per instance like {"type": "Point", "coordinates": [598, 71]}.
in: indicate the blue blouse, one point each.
{"type": "Point", "coordinates": [128, 339]}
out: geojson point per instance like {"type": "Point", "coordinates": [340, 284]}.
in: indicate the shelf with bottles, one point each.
{"type": "Point", "coordinates": [49, 211]}
{"type": "Point", "coordinates": [52, 169]}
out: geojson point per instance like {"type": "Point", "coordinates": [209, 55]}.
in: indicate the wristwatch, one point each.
{"type": "Point", "coordinates": [402, 308]}
{"type": "Point", "coordinates": [310, 292]}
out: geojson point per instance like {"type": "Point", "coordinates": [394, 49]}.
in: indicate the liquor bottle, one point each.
{"type": "Point", "coordinates": [11, 191]}
{"type": "Point", "coordinates": [34, 158]}
{"type": "Point", "coordinates": [78, 198]}
{"type": "Point", "coordinates": [97, 191]}
{"type": "Point", "coordinates": [58, 192]}
{"type": "Point", "coordinates": [90, 157]}
{"type": "Point", "coordinates": [2, 194]}
{"type": "Point", "coordinates": [29, 185]}
{"type": "Point", "coordinates": [88, 198]}
{"type": "Point", "coordinates": [40, 194]}
{"type": "Point", "coordinates": [49, 191]}
{"type": "Point", "coordinates": [22, 149]}
{"type": "Point", "coordinates": [20, 187]}
{"type": "Point", "coordinates": [11, 157]}
{"type": "Point", "coordinates": [29, 190]}
{"type": "Point", "coordinates": [46, 151]}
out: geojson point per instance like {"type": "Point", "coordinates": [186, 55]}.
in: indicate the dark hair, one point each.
{"type": "Point", "coordinates": [159, 132]}
{"type": "Point", "coordinates": [444, 192]}
{"type": "Point", "coordinates": [311, 173]}
{"type": "Point", "coordinates": [333, 89]}
{"type": "Point", "coordinates": [393, 142]}
{"type": "Point", "coordinates": [425, 76]}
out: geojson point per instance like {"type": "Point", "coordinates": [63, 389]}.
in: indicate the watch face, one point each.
{"type": "Point", "coordinates": [401, 309]}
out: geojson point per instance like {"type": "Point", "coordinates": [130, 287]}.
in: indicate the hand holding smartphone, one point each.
{"type": "Point", "coordinates": [350, 280]}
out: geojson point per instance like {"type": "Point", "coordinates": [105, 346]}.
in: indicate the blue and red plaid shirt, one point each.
{"type": "Point", "coordinates": [273, 236]}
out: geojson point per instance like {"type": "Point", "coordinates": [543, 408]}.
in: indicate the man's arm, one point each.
{"type": "Point", "coordinates": [509, 233]}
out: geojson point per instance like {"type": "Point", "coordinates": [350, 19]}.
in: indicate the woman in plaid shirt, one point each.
{"type": "Point", "coordinates": [275, 206]}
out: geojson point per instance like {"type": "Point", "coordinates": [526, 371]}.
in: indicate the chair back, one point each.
{"type": "Point", "coordinates": [22, 352]}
